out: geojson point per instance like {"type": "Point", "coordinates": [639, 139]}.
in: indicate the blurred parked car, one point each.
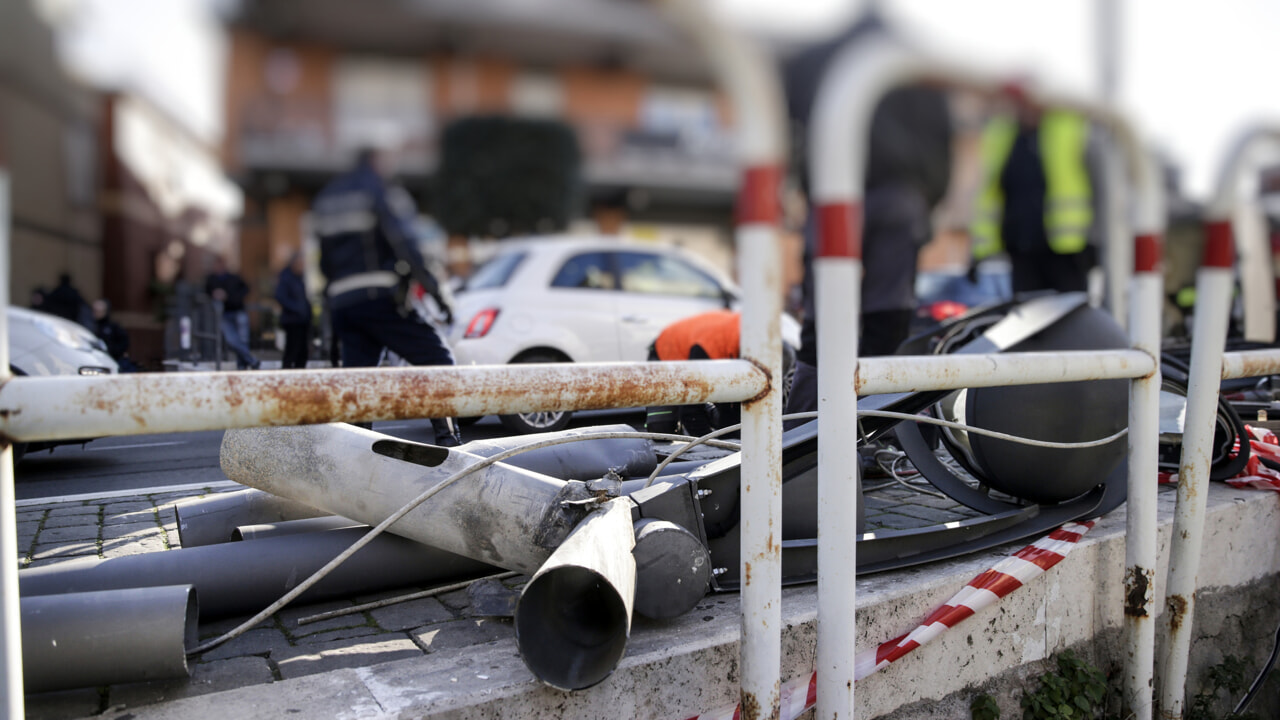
{"type": "Point", "coordinates": [43, 344]}
{"type": "Point", "coordinates": [581, 300]}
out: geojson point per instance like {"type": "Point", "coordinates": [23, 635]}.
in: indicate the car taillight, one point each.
{"type": "Point", "coordinates": [481, 324]}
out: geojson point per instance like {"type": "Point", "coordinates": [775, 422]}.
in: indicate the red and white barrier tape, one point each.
{"type": "Point", "coordinates": [983, 591]}
{"type": "Point", "coordinates": [1263, 444]}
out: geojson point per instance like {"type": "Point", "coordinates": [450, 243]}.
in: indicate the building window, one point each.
{"type": "Point", "coordinates": [381, 100]}
{"type": "Point", "coordinates": [537, 95]}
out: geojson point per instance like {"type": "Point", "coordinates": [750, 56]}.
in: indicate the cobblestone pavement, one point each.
{"type": "Point", "coordinates": [280, 648]}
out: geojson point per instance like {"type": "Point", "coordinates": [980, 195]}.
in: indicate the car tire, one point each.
{"type": "Point", "coordinates": [537, 422]}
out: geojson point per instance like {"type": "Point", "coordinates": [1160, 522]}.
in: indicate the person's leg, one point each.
{"type": "Point", "coordinates": [883, 332]}
{"type": "Point", "coordinates": [295, 347]}
{"type": "Point", "coordinates": [419, 344]}
{"type": "Point", "coordinates": [242, 328]}
{"type": "Point", "coordinates": [231, 336]}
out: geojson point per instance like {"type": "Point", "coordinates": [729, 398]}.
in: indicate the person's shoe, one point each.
{"type": "Point", "coordinates": [448, 441]}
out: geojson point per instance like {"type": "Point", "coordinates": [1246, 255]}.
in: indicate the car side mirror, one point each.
{"type": "Point", "coordinates": [728, 298]}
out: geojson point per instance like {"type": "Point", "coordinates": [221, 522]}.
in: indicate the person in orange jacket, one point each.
{"type": "Point", "coordinates": [711, 335]}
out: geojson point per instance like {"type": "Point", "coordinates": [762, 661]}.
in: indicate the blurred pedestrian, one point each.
{"type": "Point", "coordinates": [65, 301]}
{"type": "Point", "coordinates": [908, 169]}
{"type": "Point", "coordinates": [369, 255]}
{"type": "Point", "coordinates": [713, 335]}
{"type": "Point", "coordinates": [37, 299]}
{"type": "Point", "coordinates": [295, 313]}
{"type": "Point", "coordinates": [1037, 202]}
{"type": "Point", "coordinates": [230, 291]}
{"type": "Point", "coordinates": [113, 335]}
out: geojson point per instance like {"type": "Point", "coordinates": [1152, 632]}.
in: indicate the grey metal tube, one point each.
{"type": "Point", "coordinates": [294, 527]}
{"type": "Point", "coordinates": [242, 578]}
{"type": "Point", "coordinates": [86, 639]}
{"type": "Point", "coordinates": [212, 519]}
{"type": "Point", "coordinates": [574, 617]}
{"type": "Point", "coordinates": [673, 569]}
{"type": "Point", "coordinates": [501, 515]}
{"type": "Point", "coordinates": [585, 460]}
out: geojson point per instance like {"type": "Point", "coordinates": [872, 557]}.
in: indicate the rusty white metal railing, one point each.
{"type": "Point", "coordinates": [856, 79]}
{"type": "Point", "coordinates": [10, 617]}
{"type": "Point", "coordinates": [1215, 283]}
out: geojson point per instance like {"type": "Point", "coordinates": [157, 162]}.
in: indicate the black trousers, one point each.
{"type": "Point", "coordinates": [297, 344]}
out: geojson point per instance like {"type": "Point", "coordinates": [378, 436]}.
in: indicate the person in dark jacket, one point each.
{"type": "Point", "coordinates": [113, 335]}
{"type": "Point", "coordinates": [907, 174]}
{"type": "Point", "coordinates": [230, 290]}
{"type": "Point", "coordinates": [295, 313]}
{"type": "Point", "coordinates": [66, 302]}
{"type": "Point", "coordinates": [369, 256]}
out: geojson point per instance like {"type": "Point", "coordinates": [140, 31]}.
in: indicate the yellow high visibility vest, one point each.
{"type": "Point", "coordinates": [1068, 211]}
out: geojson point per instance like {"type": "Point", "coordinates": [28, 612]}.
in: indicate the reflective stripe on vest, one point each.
{"type": "Point", "coordinates": [1068, 201]}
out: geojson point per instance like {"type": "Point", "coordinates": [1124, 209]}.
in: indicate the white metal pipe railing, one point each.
{"type": "Point", "coordinates": [857, 78]}
{"type": "Point", "coordinates": [10, 623]}
{"type": "Point", "coordinates": [1214, 291]}
{"type": "Point", "coordinates": [750, 77]}
{"type": "Point", "coordinates": [79, 407]}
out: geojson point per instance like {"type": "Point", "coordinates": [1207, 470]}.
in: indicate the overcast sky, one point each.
{"type": "Point", "coordinates": [1192, 72]}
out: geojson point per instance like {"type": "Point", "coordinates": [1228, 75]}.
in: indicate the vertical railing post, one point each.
{"type": "Point", "coordinates": [1141, 529]}
{"type": "Point", "coordinates": [10, 617]}
{"type": "Point", "coordinates": [750, 78]}
{"type": "Point", "coordinates": [1214, 285]}
{"type": "Point", "coordinates": [854, 81]}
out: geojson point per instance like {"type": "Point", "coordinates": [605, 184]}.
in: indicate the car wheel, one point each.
{"type": "Point", "coordinates": [537, 422]}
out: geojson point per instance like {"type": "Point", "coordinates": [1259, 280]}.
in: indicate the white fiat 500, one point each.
{"type": "Point", "coordinates": [577, 299]}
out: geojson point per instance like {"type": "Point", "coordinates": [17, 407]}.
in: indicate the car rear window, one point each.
{"type": "Point", "coordinates": [496, 272]}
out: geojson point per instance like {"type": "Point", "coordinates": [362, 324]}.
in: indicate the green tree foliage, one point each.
{"type": "Point", "coordinates": [501, 176]}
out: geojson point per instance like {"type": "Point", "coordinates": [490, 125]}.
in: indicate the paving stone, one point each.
{"type": "Point", "coordinates": [456, 600]}
{"type": "Point", "coordinates": [30, 515]}
{"type": "Point", "coordinates": [67, 510]}
{"type": "Point", "coordinates": [412, 614]}
{"type": "Point", "coordinates": [875, 502]}
{"type": "Point", "coordinates": [310, 659]}
{"type": "Point", "coordinates": [463, 633]}
{"type": "Point", "coordinates": [361, 631]}
{"type": "Point", "coordinates": [27, 532]}
{"type": "Point", "coordinates": [74, 533]}
{"type": "Point", "coordinates": [933, 515]}
{"type": "Point", "coordinates": [61, 521]}
{"type": "Point", "coordinates": [63, 704]}
{"type": "Point", "coordinates": [258, 641]}
{"type": "Point", "coordinates": [205, 678]}
{"type": "Point", "coordinates": [290, 615]}
{"type": "Point", "coordinates": [133, 546]}
{"type": "Point", "coordinates": [132, 530]}
{"type": "Point", "coordinates": [129, 512]}
{"type": "Point", "coordinates": [46, 551]}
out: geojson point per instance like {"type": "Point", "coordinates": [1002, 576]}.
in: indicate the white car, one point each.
{"type": "Point", "coordinates": [44, 344]}
{"type": "Point", "coordinates": [594, 299]}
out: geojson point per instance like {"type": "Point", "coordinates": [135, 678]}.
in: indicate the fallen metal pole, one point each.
{"type": "Point", "coordinates": [1214, 288]}
{"type": "Point", "coordinates": [293, 527]}
{"type": "Point", "coordinates": [86, 639]}
{"type": "Point", "coordinates": [574, 616]}
{"type": "Point", "coordinates": [242, 578]}
{"type": "Point", "coordinates": [401, 599]}
{"type": "Point", "coordinates": [140, 403]}
{"type": "Point", "coordinates": [213, 519]}
{"type": "Point", "coordinates": [500, 515]}
{"type": "Point", "coordinates": [10, 628]}
{"type": "Point", "coordinates": [586, 460]}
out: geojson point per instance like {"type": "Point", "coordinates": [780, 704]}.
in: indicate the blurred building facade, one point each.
{"type": "Point", "coordinates": [104, 186]}
{"type": "Point", "coordinates": [304, 91]}
{"type": "Point", "coordinates": [49, 147]}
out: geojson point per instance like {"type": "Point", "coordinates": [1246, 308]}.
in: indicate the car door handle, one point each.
{"type": "Point", "coordinates": [634, 319]}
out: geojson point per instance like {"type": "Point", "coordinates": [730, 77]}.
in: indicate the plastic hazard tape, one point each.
{"type": "Point", "coordinates": [983, 591]}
